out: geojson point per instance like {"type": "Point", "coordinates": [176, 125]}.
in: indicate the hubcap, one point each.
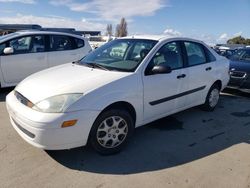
{"type": "Point", "coordinates": [214, 97]}
{"type": "Point", "coordinates": [112, 132]}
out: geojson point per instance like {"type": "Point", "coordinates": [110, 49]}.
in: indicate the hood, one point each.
{"type": "Point", "coordinates": [240, 65]}
{"type": "Point", "coordinates": [63, 79]}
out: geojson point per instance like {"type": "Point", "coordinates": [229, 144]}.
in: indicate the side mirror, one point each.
{"type": "Point", "coordinates": [161, 69]}
{"type": "Point", "coordinates": [8, 50]}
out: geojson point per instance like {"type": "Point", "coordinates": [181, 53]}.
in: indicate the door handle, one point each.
{"type": "Point", "coordinates": [208, 68]}
{"type": "Point", "coordinates": [181, 76]}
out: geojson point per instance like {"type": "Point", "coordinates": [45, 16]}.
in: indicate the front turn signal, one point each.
{"type": "Point", "coordinates": [69, 123]}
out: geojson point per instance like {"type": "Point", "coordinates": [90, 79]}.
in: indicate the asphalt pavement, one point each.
{"type": "Point", "coordinates": [190, 149]}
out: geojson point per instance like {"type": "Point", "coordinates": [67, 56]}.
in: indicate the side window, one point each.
{"type": "Point", "coordinates": [246, 56]}
{"type": "Point", "coordinates": [60, 43]}
{"type": "Point", "coordinates": [21, 45]}
{"type": "Point", "coordinates": [79, 43]}
{"type": "Point", "coordinates": [195, 53]}
{"type": "Point", "coordinates": [38, 44]}
{"type": "Point", "coordinates": [169, 55]}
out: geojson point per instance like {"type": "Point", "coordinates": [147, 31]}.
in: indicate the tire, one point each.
{"type": "Point", "coordinates": [111, 131]}
{"type": "Point", "coordinates": [212, 98]}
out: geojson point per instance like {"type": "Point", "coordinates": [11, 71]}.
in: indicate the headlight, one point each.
{"type": "Point", "coordinates": [57, 103]}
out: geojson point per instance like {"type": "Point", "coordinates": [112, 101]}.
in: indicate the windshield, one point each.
{"type": "Point", "coordinates": [242, 55]}
{"type": "Point", "coordinates": [120, 54]}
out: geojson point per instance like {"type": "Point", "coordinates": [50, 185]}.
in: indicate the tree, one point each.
{"type": "Point", "coordinates": [121, 29]}
{"type": "Point", "coordinates": [109, 30]}
{"type": "Point", "coordinates": [239, 40]}
{"type": "Point", "coordinates": [247, 41]}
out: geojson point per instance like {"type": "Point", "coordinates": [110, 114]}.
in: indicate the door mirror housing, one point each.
{"type": "Point", "coordinates": [161, 69]}
{"type": "Point", "coordinates": [8, 50]}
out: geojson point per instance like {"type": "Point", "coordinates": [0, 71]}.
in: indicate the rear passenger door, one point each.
{"type": "Point", "coordinates": [199, 70]}
{"type": "Point", "coordinates": [62, 50]}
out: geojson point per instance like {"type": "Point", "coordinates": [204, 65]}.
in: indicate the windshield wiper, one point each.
{"type": "Point", "coordinates": [76, 62]}
{"type": "Point", "coordinates": [96, 65]}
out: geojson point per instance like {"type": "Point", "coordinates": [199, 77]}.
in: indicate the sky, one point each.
{"type": "Point", "coordinates": [213, 21]}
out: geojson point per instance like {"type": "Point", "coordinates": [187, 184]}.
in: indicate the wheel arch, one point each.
{"type": "Point", "coordinates": [219, 83]}
{"type": "Point", "coordinates": [122, 105]}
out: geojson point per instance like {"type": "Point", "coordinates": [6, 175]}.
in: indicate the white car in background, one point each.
{"type": "Point", "coordinates": [97, 41]}
{"type": "Point", "coordinates": [122, 85]}
{"type": "Point", "coordinates": [26, 52]}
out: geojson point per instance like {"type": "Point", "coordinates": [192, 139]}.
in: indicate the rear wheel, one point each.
{"type": "Point", "coordinates": [111, 131]}
{"type": "Point", "coordinates": [212, 98]}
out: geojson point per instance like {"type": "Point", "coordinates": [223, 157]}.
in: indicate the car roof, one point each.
{"type": "Point", "coordinates": [160, 38]}
{"type": "Point", "coordinates": [22, 32]}
{"type": "Point", "coordinates": [32, 32]}
{"type": "Point", "coordinates": [149, 37]}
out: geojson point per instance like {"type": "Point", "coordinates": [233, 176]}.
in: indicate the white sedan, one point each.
{"type": "Point", "coordinates": [122, 85]}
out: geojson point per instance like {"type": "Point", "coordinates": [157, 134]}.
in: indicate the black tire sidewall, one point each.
{"type": "Point", "coordinates": [206, 106]}
{"type": "Point", "coordinates": [93, 137]}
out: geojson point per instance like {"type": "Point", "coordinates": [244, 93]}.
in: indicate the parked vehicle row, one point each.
{"type": "Point", "coordinates": [24, 53]}
{"type": "Point", "coordinates": [121, 85]}
{"type": "Point", "coordinates": [239, 66]}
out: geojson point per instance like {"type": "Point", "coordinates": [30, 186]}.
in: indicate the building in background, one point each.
{"type": "Point", "coordinates": [11, 28]}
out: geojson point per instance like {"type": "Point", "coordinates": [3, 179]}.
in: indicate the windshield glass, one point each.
{"type": "Point", "coordinates": [242, 55]}
{"type": "Point", "coordinates": [120, 54]}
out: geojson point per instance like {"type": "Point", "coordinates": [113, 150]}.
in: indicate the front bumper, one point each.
{"type": "Point", "coordinates": [43, 130]}
{"type": "Point", "coordinates": [240, 82]}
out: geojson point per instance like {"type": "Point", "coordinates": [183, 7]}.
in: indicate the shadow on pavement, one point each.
{"type": "Point", "coordinates": [4, 92]}
{"type": "Point", "coordinates": [169, 142]}
{"type": "Point", "coordinates": [236, 92]}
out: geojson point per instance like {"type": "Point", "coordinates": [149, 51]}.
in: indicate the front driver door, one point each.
{"type": "Point", "coordinates": [29, 57]}
{"type": "Point", "coordinates": [162, 91]}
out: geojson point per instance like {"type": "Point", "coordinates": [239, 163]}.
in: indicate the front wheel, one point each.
{"type": "Point", "coordinates": [111, 131]}
{"type": "Point", "coordinates": [212, 98]}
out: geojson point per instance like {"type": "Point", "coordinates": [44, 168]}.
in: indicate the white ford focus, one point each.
{"type": "Point", "coordinates": [124, 84]}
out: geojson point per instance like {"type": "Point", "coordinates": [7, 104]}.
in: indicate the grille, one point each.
{"type": "Point", "coordinates": [23, 99]}
{"type": "Point", "coordinates": [237, 74]}
{"type": "Point", "coordinates": [31, 135]}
